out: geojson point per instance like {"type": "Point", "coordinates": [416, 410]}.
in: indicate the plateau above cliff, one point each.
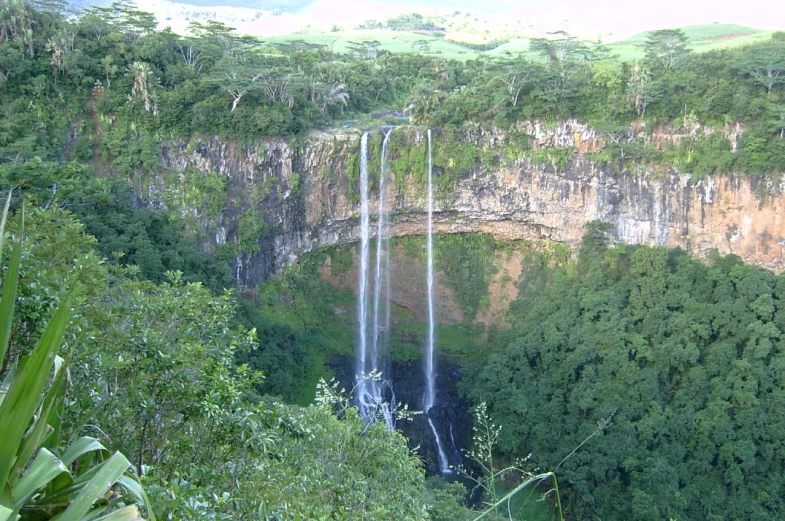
{"type": "Point", "coordinates": [536, 183]}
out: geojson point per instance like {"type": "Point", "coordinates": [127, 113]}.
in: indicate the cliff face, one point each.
{"type": "Point", "coordinates": [305, 195]}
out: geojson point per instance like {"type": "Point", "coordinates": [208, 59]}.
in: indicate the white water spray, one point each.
{"type": "Point", "coordinates": [362, 300]}
{"type": "Point", "coordinates": [378, 387]}
{"type": "Point", "coordinates": [430, 376]}
{"type": "Point", "coordinates": [374, 395]}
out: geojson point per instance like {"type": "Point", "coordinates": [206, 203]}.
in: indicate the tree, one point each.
{"type": "Point", "coordinates": [515, 75]}
{"type": "Point", "coordinates": [642, 89]}
{"type": "Point", "coordinates": [190, 52]}
{"type": "Point", "coordinates": [681, 351]}
{"type": "Point", "coordinates": [152, 393]}
{"type": "Point", "coordinates": [155, 373]}
{"type": "Point", "coordinates": [765, 64]}
{"type": "Point", "coordinates": [665, 49]}
{"type": "Point", "coordinates": [366, 471]}
{"type": "Point", "coordinates": [131, 22]}
{"type": "Point", "coordinates": [606, 74]}
{"type": "Point", "coordinates": [776, 119]}
{"type": "Point", "coordinates": [217, 40]}
{"type": "Point", "coordinates": [567, 62]}
{"type": "Point", "coordinates": [236, 77]}
{"type": "Point", "coordinates": [10, 59]}
{"type": "Point", "coordinates": [96, 20]}
{"type": "Point", "coordinates": [60, 45]}
{"type": "Point", "coordinates": [561, 48]}
{"type": "Point", "coordinates": [16, 25]}
{"type": "Point", "coordinates": [423, 101]}
{"type": "Point", "coordinates": [365, 50]}
{"type": "Point", "coordinates": [110, 69]}
{"type": "Point", "coordinates": [55, 7]}
{"type": "Point", "coordinates": [279, 81]}
{"type": "Point", "coordinates": [336, 95]}
{"type": "Point", "coordinates": [144, 85]}
{"type": "Point", "coordinates": [422, 46]}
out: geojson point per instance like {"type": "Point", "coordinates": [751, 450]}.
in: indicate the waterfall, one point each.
{"type": "Point", "coordinates": [430, 376]}
{"type": "Point", "coordinates": [381, 387]}
{"type": "Point", "coordinates": [374, 395]}
{"type": "Point", "coordinates": [362, 299]}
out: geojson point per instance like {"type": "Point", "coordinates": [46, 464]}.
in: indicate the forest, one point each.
{"type": "Point", "coordinates": [137, 384]}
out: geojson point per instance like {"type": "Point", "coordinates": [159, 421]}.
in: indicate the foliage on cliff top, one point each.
{"type": "Point", "coordinates": [107, 88]}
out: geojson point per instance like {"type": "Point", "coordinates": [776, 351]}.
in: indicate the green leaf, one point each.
{"type": "Point", "coordinates": [2, 226]}
{"type": "Point", "coordinates": [132, 486]}
{"type": "Point", "coordinates": [532, 480]}
{"type": "Point", "coordinates": [24, 395]}
{"type": "Point", "coordinates": [6, 383]}
{"type": "Point", "coordinates": [109, 472]}
{"type": "Point", "coordinates": [81, 447]}
{"type": "Point", "coordinates": [54, 403]}
{"type": "Point", "coordinates": [135, 488]}
{"type": "Point", "coordinates": [99, 510]}
{"type": "Point", "coordinates": [129, 513]}
{"type": "Point", "coordinates": [41, 428]}
{"type": "Point", "coordinates": [45, 467]}
{"type": "Point", "coordinates": [6, 514]}
{"type": "Point", "coordinates": [9, 297]}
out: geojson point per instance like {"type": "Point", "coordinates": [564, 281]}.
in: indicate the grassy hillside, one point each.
{"type": "Point", "coordinates": [702, 38]}
{"type": "Point", "coordinates": [460, 33]}
{"type": "Point", "coordinates": [393, 41]}
{"type": "Point", "coordinates": [286, 6]}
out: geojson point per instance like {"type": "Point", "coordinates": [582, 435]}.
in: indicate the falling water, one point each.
{"type": "Point", "coordinates": [377, 388]}
{"type": "Point", "coordinates": [362, 300]}
{"type": "Point", "coordinates": [430, 391]}
{"type": "Point", "coordinates": [374, 395]}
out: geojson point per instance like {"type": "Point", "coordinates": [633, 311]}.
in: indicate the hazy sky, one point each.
{"type": "Point", "coordinates": [631, 16]}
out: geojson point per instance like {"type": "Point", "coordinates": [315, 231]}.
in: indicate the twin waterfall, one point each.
{"type": "Point", "coordinates": [375, 397]}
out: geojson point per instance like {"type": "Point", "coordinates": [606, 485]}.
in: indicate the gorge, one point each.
{"type": "Point", "coordinates": [324, 278]}
{"type": "Point", "coordinates": [541, 184]}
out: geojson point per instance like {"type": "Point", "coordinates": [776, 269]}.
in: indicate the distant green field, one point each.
{"type": "Point", "coordinates": [702, 38]}
{"type": "Point", "coordinates": [393, 41]}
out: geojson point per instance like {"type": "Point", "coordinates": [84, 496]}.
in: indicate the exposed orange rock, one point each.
{"type": "Point", "coordinates": [308, 200]}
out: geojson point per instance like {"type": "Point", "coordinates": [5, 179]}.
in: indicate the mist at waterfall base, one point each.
{"type": "Point", "coordinates": [422, 385]}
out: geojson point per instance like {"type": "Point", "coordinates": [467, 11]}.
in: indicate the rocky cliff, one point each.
{"type": "Point", "coordinates": [537, 183]}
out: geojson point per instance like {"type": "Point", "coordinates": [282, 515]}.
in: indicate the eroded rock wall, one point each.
{"type": "Point", "coordinates": [306, 194]}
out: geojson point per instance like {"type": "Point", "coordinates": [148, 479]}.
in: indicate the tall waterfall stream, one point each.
{"type": "Point", "coordinates": [374, 394]}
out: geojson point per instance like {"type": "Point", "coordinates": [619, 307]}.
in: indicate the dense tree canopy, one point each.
{"type": "Point", "coordinates": [107, 87]}
{"type": "Point", "coordinates": [684, 358]}
{"type": "Point", "coordinates": [154, 373]}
